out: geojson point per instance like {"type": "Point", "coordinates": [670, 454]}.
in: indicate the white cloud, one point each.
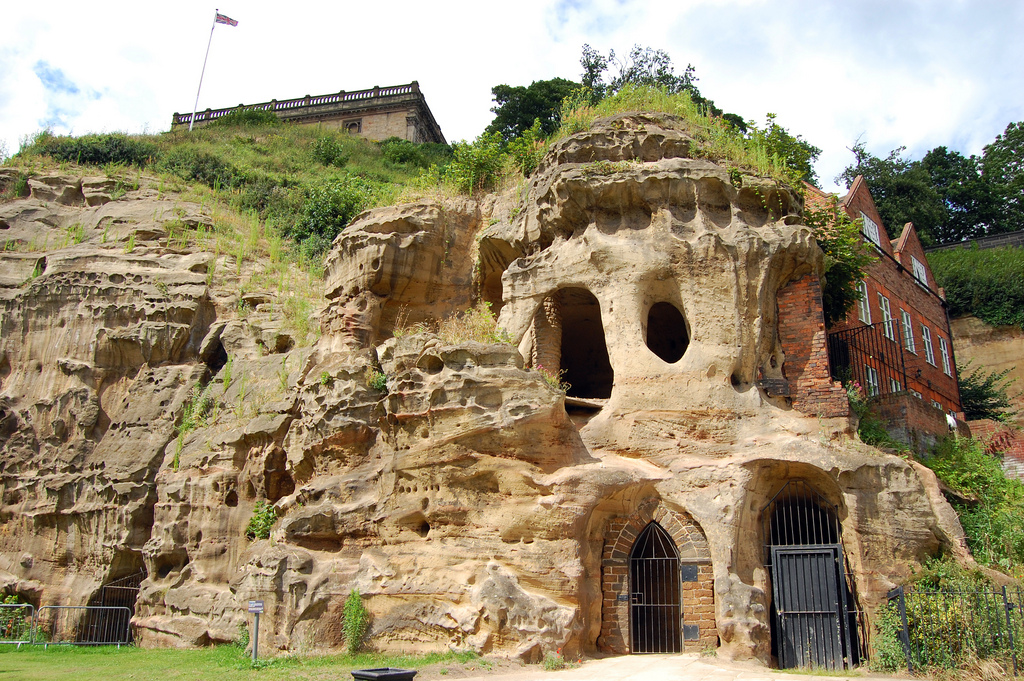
{"type": "Point", "coordinates": [919, 74]}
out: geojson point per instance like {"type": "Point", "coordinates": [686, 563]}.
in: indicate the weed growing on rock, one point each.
{"type": "Point", "coordinates": [263, 518]}
{"type": "Point", "coordinates": [554, 379]}
{"type": "Point", "coordinates": [376, 379]}
{"type": "Point", "coordinates": [356, 619]}
{"type": "Point", "coordinates": [476, 324]}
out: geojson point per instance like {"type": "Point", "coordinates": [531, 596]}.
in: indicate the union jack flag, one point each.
{"type": "Point", "coordinates": [225, 19]}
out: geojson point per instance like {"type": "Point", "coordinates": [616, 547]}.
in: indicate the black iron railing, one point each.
{"type": "Point", "coordinates": [871, 355]}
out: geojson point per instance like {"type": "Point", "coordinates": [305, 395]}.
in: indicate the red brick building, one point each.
{"type": "Point", "coordinates": [896, 342]}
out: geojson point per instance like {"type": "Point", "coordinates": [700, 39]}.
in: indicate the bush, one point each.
{"type": "Point", "coordinates": [475, 166]}
{"type": "Point", "coordinates": [847, 256]}
{"type": "Point", "coordinates": [263, 518]}
{"type": "Point", "coordinates": [328, 151]}
{"type": "Point", "coordinates": [356, 620]}
{"type": "Point", "coordinates": [989, 504]}
{"type": "Point", "coordinates": [886, 648]}
{"type": "Point", "coordinates": [94, 150]}
{"type": "Point", "coordinates": [328, 208]}
{"type": "Point", "coordinates": [191, 164]}
{"type": "Point", "coordinates": [247, 118]}
{"type": "Point", "coordinates": [984, 395]}
{"type": "Point", "coordinates": [988, 284]}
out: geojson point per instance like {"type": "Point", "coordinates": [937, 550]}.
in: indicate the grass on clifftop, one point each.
{"type": "Point", "coordinates": [988, 284]}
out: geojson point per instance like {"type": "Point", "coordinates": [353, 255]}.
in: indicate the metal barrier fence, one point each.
{"type": "Point", "coordinates": [17, 623]}
{"type": "Point", "coordinates": [941, 628]}
{"type": "Point", "coordinates": [88, 625]}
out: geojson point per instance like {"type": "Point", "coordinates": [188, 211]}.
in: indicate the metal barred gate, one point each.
{"type": "Point", "coordinates": [655, 593]}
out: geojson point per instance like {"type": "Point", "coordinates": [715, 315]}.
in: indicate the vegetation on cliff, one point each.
{"type": "Point", "coordinates": [988, 284]}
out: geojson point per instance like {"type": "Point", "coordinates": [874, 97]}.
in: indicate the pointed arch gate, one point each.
{"type": "Point", "coordinates": [655, 601]}
{"type": "Point", "coordinates": [814, 619]}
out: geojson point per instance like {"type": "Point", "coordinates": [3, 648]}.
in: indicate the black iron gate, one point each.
{"type": "Point", "coordinates": [814, 620]}
{"type": "Point", "coordinates": [112, 608]}
{"type": "Point", "coordinates": [655, 593]}
{"type": "Point", "coordinates": [809, 606]}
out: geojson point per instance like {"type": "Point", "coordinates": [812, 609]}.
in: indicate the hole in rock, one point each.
{"type": "Point", "coordinates": [584, 353]}
{"type": "Point", "coordinates": [416, 522]}
{"type": "Point", "coordinates": [492, 291]}
{"type": "Point", "coordinates": [216, 358]}
{"type": "Point", "coordinates": [231, 499]}
{"type": "Point", "coordinates": [666, 332]}
{"type": "Point", "coordinates": [117, 597]}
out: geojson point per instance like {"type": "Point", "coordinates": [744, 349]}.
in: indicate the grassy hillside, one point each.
{"type": "Point", "coordinates": [988, 284]}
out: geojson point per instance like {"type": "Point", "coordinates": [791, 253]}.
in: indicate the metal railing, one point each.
{"type": "Point", "coordinates": [300, 102]}
{"type": "Point", "coordinates": [855, 353]}
{"type": "Point", "coordinates": [942, 628]}
{"type": "Point", "coordinates": [16, 623]}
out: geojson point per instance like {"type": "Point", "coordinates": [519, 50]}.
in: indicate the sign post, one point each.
{"type": "Point", "coordinates": [255, 607]}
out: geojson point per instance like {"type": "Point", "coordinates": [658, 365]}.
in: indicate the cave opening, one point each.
{"type": "Point", "coordinates": [584, 353]}
{"type": "Point", "coordinates": [667, 336]}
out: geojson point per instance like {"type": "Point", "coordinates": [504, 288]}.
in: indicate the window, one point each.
{"type": "Point", "coordinates": [863, 308]}
{"type": "Point", "coordinates": [944, 353]}
{"type": "Point", "coordinates": [920, 273]}
{"type": "Point", "coordinates": [894, 386]}
{"type": "Point", "coordinates": [929, 354]}
{"type": "Point", "coordinates": [908, 333]}
{"type": "Point", "coordinates": [916, 394]}
{"type": "Point", "coordinates": [888, 323]}
{"type": "Point", "coordinates": [935, 403]}
{"type": "Point", "coordinates": [870, 230]}
{"type": "Point", "coordinates": [871, 378]}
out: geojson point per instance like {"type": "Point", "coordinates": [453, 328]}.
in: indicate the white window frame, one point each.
{"type": "Point", "coordinates": [929, 352]}
{"type": "Point", "coordinates": [916, 394]}
{"type": "Point", "coordinates": [920, 273]}
{"type": "Point", "coordinates": [870, 230]}
{"type": "Point", "coordinates": [944, 354]}
{"type": "Point", "coordinates": [908, 333]}
{"type": "Point", "coordinates": [864, 304]}
{"type": "Point", "coordinates": [937, 405]}
{"type": "Point", "coordinates": [895, 386]}
{"type": "Point", "coordinates": [873, 386]}
{"type": "Point", "coordinates": [888, 323]}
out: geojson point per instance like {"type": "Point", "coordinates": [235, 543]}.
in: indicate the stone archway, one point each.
{"type": "Point", "coordinates": [698, 596]}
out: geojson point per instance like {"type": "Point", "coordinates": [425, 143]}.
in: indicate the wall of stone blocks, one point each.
{"type": "Point", "coordinates": [698, 597]}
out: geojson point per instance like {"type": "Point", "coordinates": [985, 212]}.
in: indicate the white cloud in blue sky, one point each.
{"type": "Point", "coordinates": [911, 73]}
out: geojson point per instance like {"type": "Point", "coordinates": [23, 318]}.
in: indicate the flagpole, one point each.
{"type": "Point", "coordinates": [203, 73]}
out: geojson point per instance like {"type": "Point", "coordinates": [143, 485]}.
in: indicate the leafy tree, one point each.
{"type": "Point", "coordinates": [1003, 169]}
{"type": "Point", "coordinates": [984, 395]}
{"type": "Point", "coordinates": [797, 153]}
{"type": "Point", "coordinates": [516, 108]}
{"type": "Point", "coordinates": [966, 196]}
{"type": "Point", "coordinates": [902, 190]}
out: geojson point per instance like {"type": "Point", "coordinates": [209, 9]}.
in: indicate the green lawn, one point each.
{"type": "Point", "coordinates": [223, 663]}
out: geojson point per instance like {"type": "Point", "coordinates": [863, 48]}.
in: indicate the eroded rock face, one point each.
{"type": "Point", "coordinates": [471, 503]}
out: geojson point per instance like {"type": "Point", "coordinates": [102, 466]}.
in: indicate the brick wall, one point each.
{"type": "Point", "coordinates": [802, 334]}
{"type": "Point", "coordinates": [1000, 438]}
{"type": "Point", "coordinates": [698, 597]}
{"type": "Point", "coordinates": [913, 421]}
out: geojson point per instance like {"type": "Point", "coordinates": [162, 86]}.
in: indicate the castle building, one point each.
{"type": "Point", "coordinates": [377, 113]}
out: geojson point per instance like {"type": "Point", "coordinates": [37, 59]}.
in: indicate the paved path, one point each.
{"type": "Point", "coordinates": [685, 667]}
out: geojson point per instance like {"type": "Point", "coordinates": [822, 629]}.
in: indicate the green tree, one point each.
{"type": "Point", "coordinates": [902, 191]}
{"type": "Point", "coordinates": [985, 395]}
{"type": "Point", "coordinates": [797, 153]}
{"type": "Point", "coordinates": [516, 108]}
{"type": "Point", "coordinates": [966, 196]}
{"type": "Point", "coordinates": [846, 257]}
{"type": "Point", "coordinates": [1003, 169]}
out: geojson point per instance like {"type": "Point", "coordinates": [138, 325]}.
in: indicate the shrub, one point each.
{"type": "Point", "coordinates": [94, 150]}
{"type": "Point", "coordinates": [528, 149]}
{"type": "Point", "coordinates": [988, 284]}
{"type": "Point", "coordinates": [328, 151]}
{"type": "Point", "coordinates": [247, 118]}
{"type": "Point", "coordinates": [356, 620]}
{"type": "Point", "coordinates": [398, 150]}
{"type": "Point", "coordinates": [263, 518]}
{"type": "Point", "coordinates": [191, 164]}
{"type": "Point", "coordinates": [376, 379]}
{"type": "Point", "coordinates": [475, 166]}
{"type": "Point", "coordinates": [984, 395]}
{"type": "Point", "coordinates": [847, 256]}
{"type": "Point", "coordinates": [329, 206]}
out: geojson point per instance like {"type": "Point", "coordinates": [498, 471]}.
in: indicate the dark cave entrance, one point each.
{"type": "Point", "coordinates": [667, 336]}
{"type": "Point", "coordinates": [584, 353]}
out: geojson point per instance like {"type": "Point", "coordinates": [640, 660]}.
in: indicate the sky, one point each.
{"type": "Point", "coordinates": [889, 73]}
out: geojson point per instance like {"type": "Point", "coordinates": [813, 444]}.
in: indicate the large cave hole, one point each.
{"type": "Point", "coordinates": [113, 605]}
{"type": "Point", "coordinates": [584, 353]}
{"type": "Point", "coordinates": [667, 336]}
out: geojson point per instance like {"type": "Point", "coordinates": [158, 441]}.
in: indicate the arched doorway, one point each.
{"type": "Point", "coordinates": [655, 593]}
{"type": "Point", "coordinates": [814, 619]}
{"type": "Point", "coordinates": [584, 354]}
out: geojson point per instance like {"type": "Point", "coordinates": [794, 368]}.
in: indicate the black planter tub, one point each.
{"type": "Point", "coordinates": [383, 674]}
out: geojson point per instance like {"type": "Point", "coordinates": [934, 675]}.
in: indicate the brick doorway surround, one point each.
{"type": "Point", "coordinates": [698, 596]}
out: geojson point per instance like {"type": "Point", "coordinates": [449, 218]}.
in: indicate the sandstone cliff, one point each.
{"type": "Point", "coordinates": [471, 503]}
